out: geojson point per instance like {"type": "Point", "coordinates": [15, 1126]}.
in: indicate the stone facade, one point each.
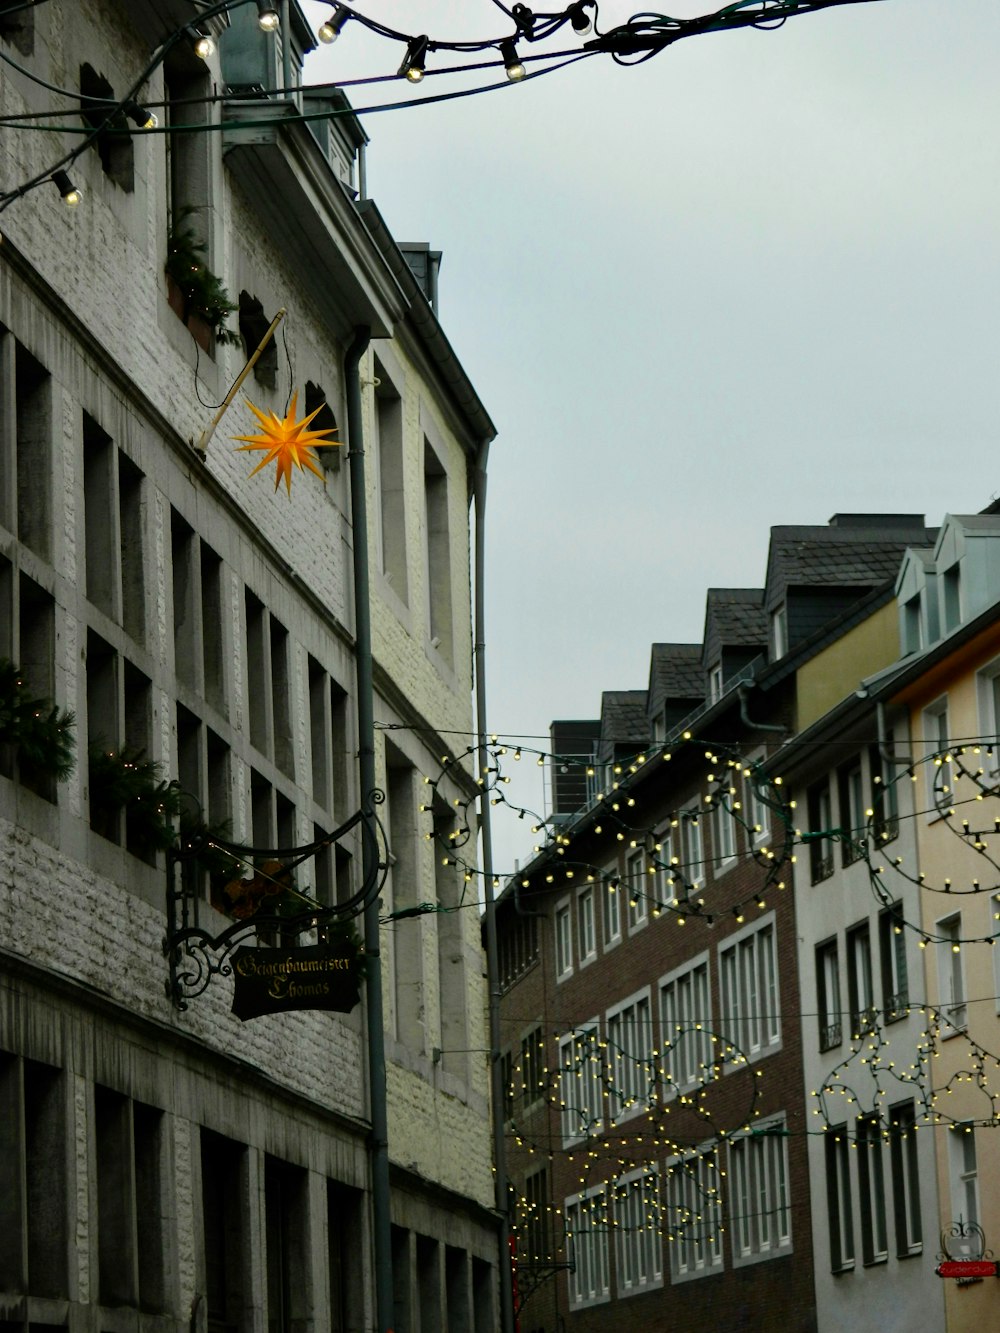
{"type": "Point", "coordinates": [179, 1167]}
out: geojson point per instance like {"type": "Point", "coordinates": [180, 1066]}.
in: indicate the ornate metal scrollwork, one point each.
{"type": "Point", "coordinates": [264, 903]}
{"type": "Point", "coordinates": [964, 1240]}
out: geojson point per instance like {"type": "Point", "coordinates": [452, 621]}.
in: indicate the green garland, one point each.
{"type": "Point", "coordinates": [40, 733]}
{"type": "Point", "coordinates": [205, 295]}
{"type": "Point", "coordinates": [125, 780]}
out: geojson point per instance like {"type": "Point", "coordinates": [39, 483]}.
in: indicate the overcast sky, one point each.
{"type": "Point", "coordinates": [753, 281]}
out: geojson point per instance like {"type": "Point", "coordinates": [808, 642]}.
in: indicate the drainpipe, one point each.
{"type": "Point", "coordinates": [492, 957]}
{"type": "Point", "coordinates": [286, 52]}
{"type": "Point", "coordinates": [748, 721]}
{"type": "Point", "coordinates": [378, 1148]}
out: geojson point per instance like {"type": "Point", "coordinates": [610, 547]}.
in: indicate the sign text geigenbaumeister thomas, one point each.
{"type": "Point", "coordinates": [318, 976]}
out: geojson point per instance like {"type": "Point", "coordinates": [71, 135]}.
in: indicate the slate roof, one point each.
{"type": "Point", "coordinates": [675, 672]}
{"type": "Point", "coordinates": [734, 618]}
{"type": "Point", "coordinates": [623, 718]}
{"type": "Point", "coordinates": [855, 555]}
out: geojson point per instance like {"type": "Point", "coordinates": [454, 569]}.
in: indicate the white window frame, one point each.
{"type": "Point", "coordinates": [724, 837]}
{"type": "Point", "coordinates": [904, 1166]}
{"type": "Point", "coordinates": [686, 1057]}
{"type": "Point", "coordinates": [830, 1013]}
{"type": "Point", "coordinates": [692, 847]}
{"type": "Point", "coordinates": [862, 1009]}
{"type": "Point", "coordinates": [581, 1083]}
{"type": "Point", "coordinates": [952, 992]}
{"type": "Point", "coordinates": [988, 705]}
{"type": "Point", "coordinates": [895, 964]}
{"type": "Point", "coordinates": [839, 1198]}
{"type": "Point", "coordinates": [715, 683]}
{"type": "Point", "coordinates": [587, 1245]}
{"type": "Point", "coordinates": [692, 1214]}
{"type": "Point", "coordinates": [664, 877]}
{"type": "Point", "coordinates": [750, 991]}
{"type": "Point", "coordinates": [563, 927]}
{"type": "Point", "coordinates": [637, 1222]}
{"type": "Point", "coordinates": [963, 1172]}
{"type": "Point", "coordinates": [760, 1204]}
{"type": "Point", "coordinates": [935, 727]}
{"type": "Point", "coordinates": [635, 879]}
{"type": "Point", "coordinates": [871, 1191]}
{"type": "Point", "coordinates": [779, 631]}
{"type": "Point", "coordinates": [612, 913]}
{"type": "Point", "coordinates": [629, 1034]}
{"type": "Point", "coordinates": [758, 814]}
{"type": "Point", "coordinates": [586, 925]}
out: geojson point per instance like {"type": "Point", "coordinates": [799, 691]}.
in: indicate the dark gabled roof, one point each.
{"type": "Point", "coordinates": [853, 551]}
{"type": "Point", "coordinates": [734, 618]}
{"type": "Point", "coordinates": [623, 718]}
{"type": "Point", "coordinates": [675, 672]}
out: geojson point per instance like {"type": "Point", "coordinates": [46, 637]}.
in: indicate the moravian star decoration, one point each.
{"type": "Point", "coordinates": [288, 441]}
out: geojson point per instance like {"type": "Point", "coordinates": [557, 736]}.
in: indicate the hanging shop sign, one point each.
{"type": "Point", "coordinates": [967, 1268]}
{"type": "Point", "coordinates": [319, 976]}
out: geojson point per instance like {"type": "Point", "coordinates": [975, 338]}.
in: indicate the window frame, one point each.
{"type": "Point", "coordinates": [591, 1101]}
{"type": "Point", "coordinates": [740, 1003]}
{"type": "Point", "coordinates": [895, 964]}
{"type": "Point", "coordinates": [871, 1191]}
{"type": "Point", "coordinates": [594, 1241]}
{"type": "Point", "coordinates": [829, 1011]}
{"type": "Point", "coordinates": [764, 1147]}
{"type": "Point", "coordinates": [640, 1247]}
{"type": "Point", "coordinates": [693, 1198]}
{"type": "Point", "coordinates": [696, 1039]}
{"type": "Point", "coordinates": [586, 924]}
{"type": "Point", "coordinates": [861, 1005]}
{"type": "Point", "coordinates": [612, 913]}
{"type": "Point", "coordinates": [935, 724]}
{"type": "Point", "coordinates": [637, 914]}
{"type": "Point", "coordinates": [562, 924]}
{"type": "Point", "coordinates": [904, 1165]}
{"type": "Point", "coordinates": [953, 996]}
{"type": "Point", "coordinates": [626, 1098]}
{"type": "Point", "coordinates": [839, 1199]}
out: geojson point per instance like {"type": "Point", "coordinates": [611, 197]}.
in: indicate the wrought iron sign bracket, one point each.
{"type": "Point", "coordinates": [260, 894]}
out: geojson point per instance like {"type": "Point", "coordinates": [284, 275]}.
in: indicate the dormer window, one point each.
{"type": "Point", "coordinates": [779, 632]}
{"type": "Point", "coordinates": [951, 597]}
{"type": "Point", "coordinates": [715, 684]}
{"type": "Point", "coordinates": [912, 626]}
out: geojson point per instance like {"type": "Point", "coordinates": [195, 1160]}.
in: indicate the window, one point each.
{"type": "Point", "coordinates": [630, 1045]}
{"type": "Point", "coordinates": [581, 1084]}
{"type": "Point", "coordinates": [402, 884]}
{"type": "Point", "coordinates": [751, 1016]}
{"type": "Point", "coordinates": [715, 684]}
{"type": "Point", "coordinates": [587, 1243]}
{"type": "Point", "coordinates": [758, 1175]}
{"type": "Point", "coordinates": [779, 632]}
{"type": "Point", "coordinates": [820, 812]}
{"type": "Point", "coordinates": [853, 820]}
{"type": "Point", "coordinates": [724, 831]}
{"type": "Point", "coordinates": [638, 900]}
{"type": "Point", "coordinates": [536, 1244]}
{"type": "Point", "coordinates": [389, 511]}
{"type": "Point", "coordinates": [533, 1066]}
{"type": "Point", "coordinates": [912, 621]}
{"type": "Point", "coordinates": [755, 804]}
{"type": "Point", "coordinates": [517, 945]}
{"type": "Point", "coordinates": [838, 1198]}
{"type": "Point", "coordinates": [612, 912]}
{"type": "Point", "coordinates": [988, 691]}
{"type": "Point", "coordinates": [951, 974]}
{"type": "Point", "coordinates": [223, 1211]}
{"type": "Point", "coordinates": [885, 793]}
{"type": "Point", "coordinates": [585, 925]}
{"type": "Point", "coordinates": [964, 1169]}
{"type": "Point", "coordinates": [892, 949]}
{"type": "Point", "coordinates": [936, 757]}
{"type": "Point", "coordinates": [286, 1222]}
{"type": "Point", "coordinates": [693, 1219]}
{"type": "Point", "coordinates": [996, 949]}
{"type": "Point", "coordinates": [564, 940]}
{"type": "Point", "coordinates": [686, 1027]}
{"type": "Point", "coordinates": [828, 995]}
{"type": "Point", "coordinates": [637, 1218]}
{"type": "Point", "coordinates": [860, 988]}
{"type": "Point", "coordinates": [871, 1185]}
{"type": "Point", "coordinates": [692, 855]}
{"type": "Point", "coordinates": [663, 879]}
{"type": "Point", "coordinates": [905, 1179]}
{"type": "Point", "coordinates": [254, 322]}
{"type": "Point", "coordinates": [507, 1083]}
{"type": "Point", "coordinates": [438, 553]}
{"type": "Point", "coordinates": [951, 588]}
{"type": "Point", "coordinates": [112, 144]}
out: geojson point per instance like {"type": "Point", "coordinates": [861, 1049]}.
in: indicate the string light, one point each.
{"type": "Point", "coordinates": [329, 31]}
{"type": "Point", "coordinates": [268, 18]}
{"type": "Point", "coordinates": [412, 67]}
{"type": "Point", "coordinates": [69, 193]}
{"type": "Point", "coordinates": [508, 53]}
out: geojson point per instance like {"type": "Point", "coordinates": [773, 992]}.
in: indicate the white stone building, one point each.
{"type": "Point", "coordinates": [177, 1168]}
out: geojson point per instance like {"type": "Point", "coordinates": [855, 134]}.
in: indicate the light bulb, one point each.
{"type": "Point", "coordinates": [204, 47]}
{"type": "Point", "coordinates": [71, 196]}
{"type": "Point", "coordinates": [330, 30]}
{"type": "Point", "coordinates": [268, 17]}
{"type": "Point", "coordinates": [508, 53]}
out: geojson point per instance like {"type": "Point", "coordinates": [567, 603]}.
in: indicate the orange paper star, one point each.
{"type": "Point", "coordinates": [287, 441]}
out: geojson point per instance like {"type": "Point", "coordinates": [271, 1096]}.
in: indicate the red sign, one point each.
{"type": "Point", "coordinates": [967, 1268]}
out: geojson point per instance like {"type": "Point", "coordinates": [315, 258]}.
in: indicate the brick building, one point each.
{"type": "Point", "coordinates": [657, 1109]}
{"type": "Point", "coordinates": [176, 1168]}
